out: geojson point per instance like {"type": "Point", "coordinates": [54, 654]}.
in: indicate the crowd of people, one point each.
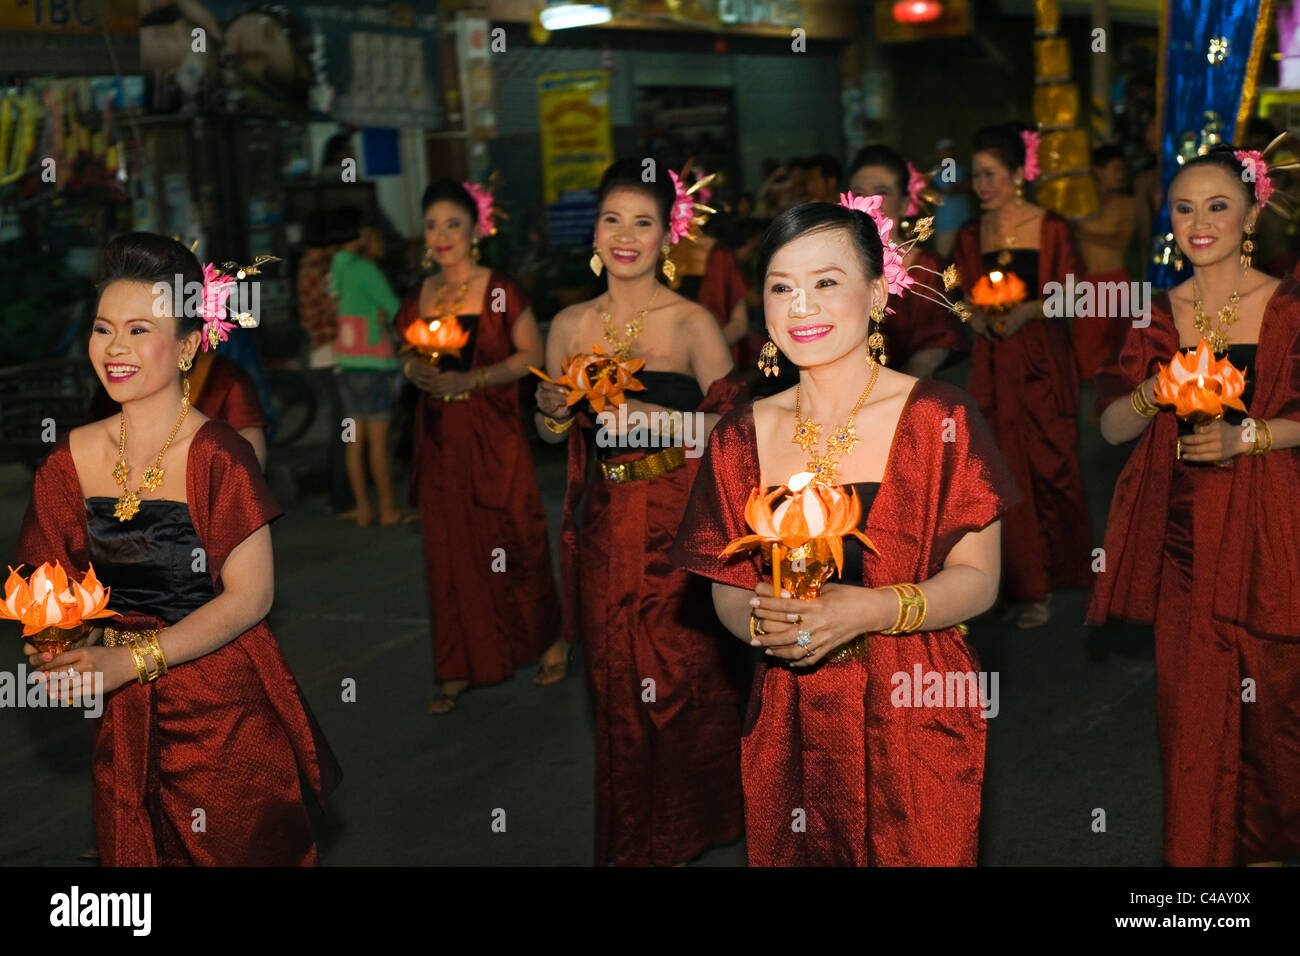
{"type": "Point", "coordinates": [723, 704]}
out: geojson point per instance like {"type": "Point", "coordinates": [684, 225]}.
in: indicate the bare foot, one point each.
{"type": "Point", "coordinates": [365, 515]}
{"type": "Point", "coordinates": [554, 665]}
{"type": "Point", "coordinates": [446, 700]}
{"type": "Point", "coordinates": [398, 516]}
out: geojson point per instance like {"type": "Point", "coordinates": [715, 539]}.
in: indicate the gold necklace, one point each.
{"type": "Point", "coordinates": [623, 349]}
{"type": "Point", "coordinates": [1008, 242]}
{"type": "Point", "coordinates": [1217, 338]}
{"type": "Point", "coordinates": [440, 309]}
{"type": "Point", "coordinates": [129, 503]}
{"type": "Point", "coordinates": [841, 441]}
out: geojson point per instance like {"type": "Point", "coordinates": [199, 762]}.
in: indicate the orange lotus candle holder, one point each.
{"type": "Point", "coordinates": [54, 610]}
{"type": "Point", "coordinates": [436, 337]}
{"type": "Point", "coordinates": [1198, 386]}
{"type": "Point", "coordinates": [599, 378]}
{"type": "Point", "coordinates": [998, 292]}
{"type": "Point", "coordinates": [803, 536]}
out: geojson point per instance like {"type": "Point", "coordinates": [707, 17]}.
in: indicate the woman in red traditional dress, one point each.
{"type": "Point", "coordinates": [209, 716]}
{"type": "Point", "coordinates": [920, 334]}
{"type": "Point", "coordinates": [1203, 531]}
{"type": "Point", "coordinates": [839, 767]}
{"type": "Point", "coordinates": [667, 716]}
{"type": "Point", "coordinates": [492, 600]}
{"type": "Point", "coordinates": [1024, 376]}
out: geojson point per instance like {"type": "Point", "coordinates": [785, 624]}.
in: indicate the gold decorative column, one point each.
{"type": "Point", "coordinates": [1065, 183]}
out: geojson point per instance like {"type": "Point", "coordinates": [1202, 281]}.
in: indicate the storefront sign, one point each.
{"type": "Point", "coordinates": [577, 146]}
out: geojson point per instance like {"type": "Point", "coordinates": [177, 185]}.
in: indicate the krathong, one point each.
{"type": "Point", "coordinates": [53, 609]}
{"type": "Point", "coordinates": [803, 534]}
{"type": "Point", "coordinates": [436, 337]}
{"type": "Point", "coordinates": [597, 377]}
{"type": "Point", "coordinates": [1199, 387]}
{"type": "Point", "coordinates": [998, 292]}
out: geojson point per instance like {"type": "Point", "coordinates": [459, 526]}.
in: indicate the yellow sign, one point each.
{"type": "Point", "coordinates": [71, 16]}
{"type": "Point", "coordinates": [576, 141]}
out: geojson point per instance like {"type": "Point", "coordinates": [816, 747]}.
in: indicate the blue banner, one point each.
{"type": "Point", "coordinates": [1207, 59]}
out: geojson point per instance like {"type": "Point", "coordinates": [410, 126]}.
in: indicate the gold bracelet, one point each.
{"type": "Point", "coordinates": [480, 378]}
{"type": "Point", "coordinates": [1141, 404]}
{"type": "Point", "coordinates": [141, 643]}
{"type": "Point", "coordinates": [912, 608]}
{"type": "Point", "coordinates": [1265, 446]}
{"type": "Point", "coordinates": [557, 427]}
{"type": "Point", "coordinates": [154, 650]}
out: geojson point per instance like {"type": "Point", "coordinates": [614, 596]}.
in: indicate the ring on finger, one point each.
{"type": "Point", "coordinates": [804, 638]}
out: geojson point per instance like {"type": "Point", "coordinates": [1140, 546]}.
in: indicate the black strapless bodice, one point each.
{"type": "Point", "coordinates": [463, 364]}
{"type": "Point", "coordinates": [867, 491]}
{"type": "Point", "coordinates": [1024, 263]}
{"type": "Point", "coordinates": [674, 390]}
{"type": "Point", "coordinates": [1242, 356]}
{"type": "Point", "coordinates": [148, 562]}
{"type": "Point", "coordinates": [689, 287]}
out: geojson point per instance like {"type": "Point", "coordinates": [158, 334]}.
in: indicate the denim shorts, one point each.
{"type": "Point", "coordinates": [367, 396]}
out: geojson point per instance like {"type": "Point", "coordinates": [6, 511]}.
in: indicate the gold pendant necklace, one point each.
{"type": "Point", "coordinates": [440, 310]}
{"type": "Point", "coordinates": [1006, 255]}
{"type": "Point", "coordinates": [623, 349]}
{"type": "Point", "coordinates": [129, 503]}
{"type": "Point", "coordinates": [1217, 338]}
{"type": "Point", "coordinates": [841, 441]}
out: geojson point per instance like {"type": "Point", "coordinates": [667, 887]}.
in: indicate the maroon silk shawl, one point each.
{"type": "Point", "coordinates": [1258, 584]}
{"type": "Point", "coordinates": [232, 721]}
{"type": "Point", "coordinates": [880, 784]}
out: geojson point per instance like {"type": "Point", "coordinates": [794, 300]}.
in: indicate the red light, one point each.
{"type": "Point", "coordinates": [917, 11]}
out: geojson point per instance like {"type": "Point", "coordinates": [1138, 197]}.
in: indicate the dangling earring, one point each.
{"type": "Point", "coordinates": [595, 261]}
{"type": "Point", "coordinates": [769, 362]}
{"type": "Point", "coordinates": [1247, 247]}
{"type": "Point", "coordinates": [426, 261]}
{"type": "Point", "coordinates": [1020, 188]}
{"type": "Point", "coordinates": [473, 249]}
{"type": "Point", "coordinates": [185, 365]}
{"type": "Point", "coordinates": [670, 270]}
{"type": "Point", "coordinates": [185, 391]}
{"type": "Point", "coordinates": [876, 340]}
{"type": "Point", "coordinates": [1178, 259]}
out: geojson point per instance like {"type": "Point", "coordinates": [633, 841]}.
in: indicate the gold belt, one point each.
{"type": "Point", "coordinates": [115, 638]}
{"type": "Point", "coordinates": [651, 466]}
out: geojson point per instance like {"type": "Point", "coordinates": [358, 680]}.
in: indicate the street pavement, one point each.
{"type": "Point", "coordinates": [1075, 735]}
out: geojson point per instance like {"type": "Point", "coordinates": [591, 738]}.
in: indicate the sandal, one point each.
{"type": "Point", "coordinates": [1036, 614]}
{"type": "Point", "coordinates": [548, 674]}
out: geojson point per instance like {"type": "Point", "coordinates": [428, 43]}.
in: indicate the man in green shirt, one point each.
{"type": "Point", "coordinates": [365, 362]}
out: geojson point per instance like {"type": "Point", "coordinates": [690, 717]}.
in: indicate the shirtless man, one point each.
{"type": "Point", "coordinates": [1103, 242]}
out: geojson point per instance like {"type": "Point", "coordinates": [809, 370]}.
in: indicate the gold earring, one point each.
{"type": "Point", "coordinates": [1247, 247]}
{"type": "Point", "coordinates": [1020, 189]}
{"type": "Point", "coordinates": [1178, 259]}
{"type": "Point", "coordinates": [473, 249]}
{"type": "Point", "coordinates": [769, 362]}
{"type": "Point", "coordinates": [595, 261]}
{"type": "Point", "coordinates": [186, 364]}
{"type": "Point", "coordinates": [185, 391]}
{"type": "Point", "coordinates": [876, 340]}
{"type": "Point", "coordinates": [670, 270]}
{"type": "Point", "coordinates": [426, 261]}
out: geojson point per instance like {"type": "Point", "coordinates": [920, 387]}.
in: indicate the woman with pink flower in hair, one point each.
{"type": "Point", "coordinates": [1201, 542]}
{"type": "Point", "coordinates": [492, 600]}
{"type": "Point", "coordinates": [841, 765]}
{"type": "Point", "coordinates": [667, 715]}
{"type": "Point", "coordinates": [1023, 372]}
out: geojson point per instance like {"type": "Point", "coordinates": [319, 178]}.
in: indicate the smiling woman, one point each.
{"type": "Point", "coordinates": [203, 710]}
{"type": "Point", "coordinates": [834, 773]}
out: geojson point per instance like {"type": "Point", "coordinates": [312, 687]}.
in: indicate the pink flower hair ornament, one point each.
{"type": "Point", "coordinates": [214, 310]}
{"type": "Point", "coordinates": [687, 215]}
{"type": "Point", "coordinates": [1031, 140]}
{"type": "Point", "coordinates": [898, 276]}
{"type": "Point", "coordinates": [1253, 162]}
{"type": "Point", "coordinates": [916, 184]}
{"type": "Point", "coordinates": [484, 201]}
